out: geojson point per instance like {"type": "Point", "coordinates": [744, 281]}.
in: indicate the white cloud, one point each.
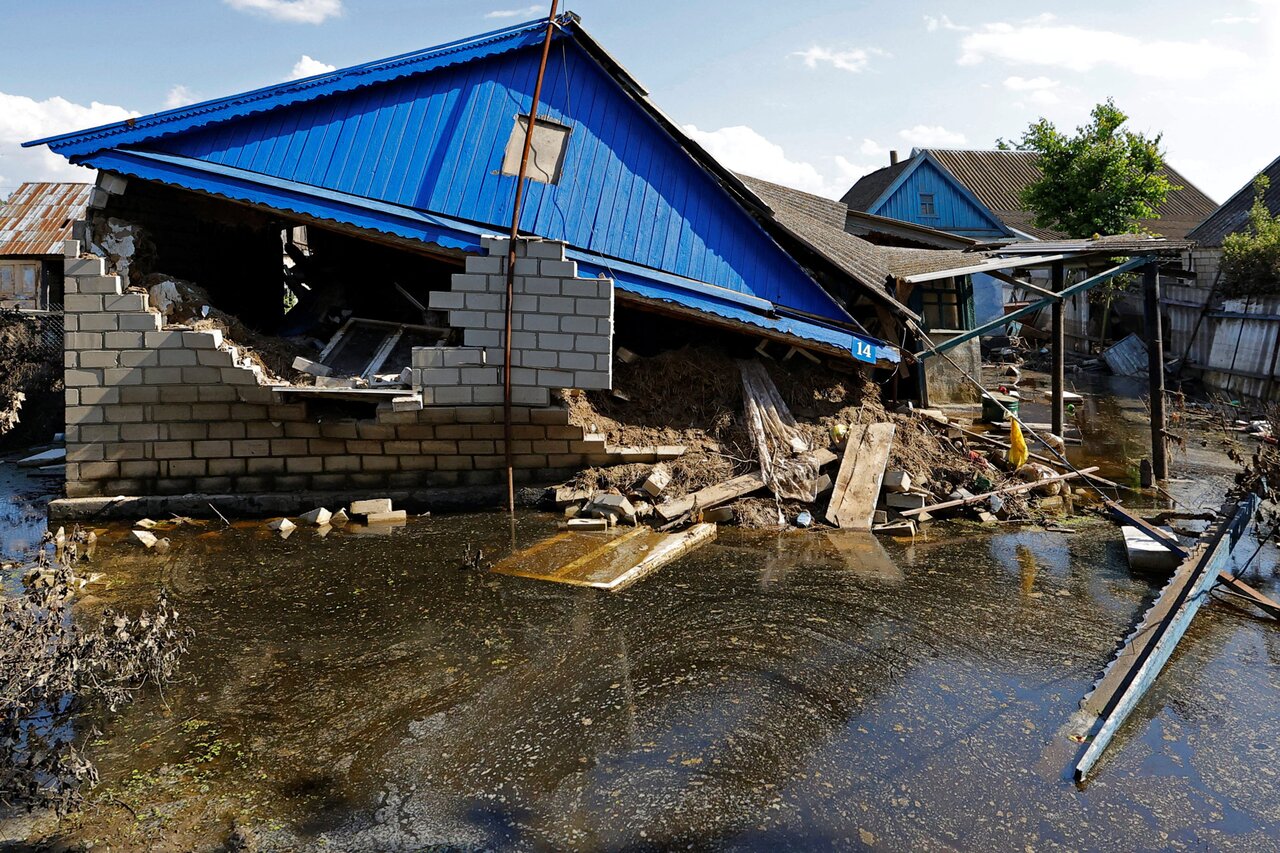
{"type": "Point", "coordinates": [526, 12]}
{"type": "Point", "coordinates": [1042, 41]}
{"type": "Point", "coordinates": [743, 150]}
{"type": "Point", "coordinates": [23, 119]}
{"type": "Point", "coordinates": [308, 67]}
{"type": "Point", "coordinates": [1039, 90]}
{"type": "Point", "coordinates": [936, 136]}
{"type": "Point", "coordinates": [871, 148]}
{"type": "Point", "coordinates": [291, 11]}
{"type": "Point", "coordinates": [854, 60]}
{"type": "Point", "coordinates": [179, 96]}
{"type": "Point", "coordinates": [1238, 19]}
{"type": "Point", "coordinates": [942, 22]}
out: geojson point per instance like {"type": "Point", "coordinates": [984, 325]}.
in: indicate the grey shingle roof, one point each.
{"type": "Point", "coordinates": [998, 177]}
{"type": "Point", "coordinates": [870, 187]}
{"type": "Point", "coordinates": [1234, 213]}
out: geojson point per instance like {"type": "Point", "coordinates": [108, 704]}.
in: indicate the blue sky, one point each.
{"type": "Point", "coordinates": [810, 93]}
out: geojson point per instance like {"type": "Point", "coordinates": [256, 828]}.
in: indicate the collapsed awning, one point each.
{"type": "Point", "coordinates": [642, 285]}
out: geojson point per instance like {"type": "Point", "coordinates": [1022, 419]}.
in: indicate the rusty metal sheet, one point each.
{"type": "Point", "coordinates": [38, 217]}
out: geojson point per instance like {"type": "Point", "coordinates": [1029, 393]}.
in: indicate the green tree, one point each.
{"type": "Point", "coordinates": [1251, 256]}
{"type": "Point", "coordinates": [1103, 180]}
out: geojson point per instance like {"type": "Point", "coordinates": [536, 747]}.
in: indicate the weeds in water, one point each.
{"type": "Point", "coordinates": [53, 669]}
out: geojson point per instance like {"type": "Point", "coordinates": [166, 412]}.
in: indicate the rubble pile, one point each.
{"type": "Point", "coordinates": [693, 398]}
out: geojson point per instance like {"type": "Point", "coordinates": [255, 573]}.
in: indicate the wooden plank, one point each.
{"type": "Point", "coordinates": [1007, 490]}
{"type": "Point", "coordinates": [1146, 651]}
{"type": "Point", "coordinates": [1259, 599]}
{"type": "Point", "coordinates": [857, 488]}
{"type": "Point", "coordinates": [612, 564]}
{"type": "Point", "coordinates": [720, 493]}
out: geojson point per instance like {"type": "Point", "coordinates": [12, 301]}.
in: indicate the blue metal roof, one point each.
{"type": "Point", "coordinates": [343, 208]}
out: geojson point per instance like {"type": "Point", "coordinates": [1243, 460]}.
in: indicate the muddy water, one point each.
{"type": "Point", "coordinates": [363, 693]}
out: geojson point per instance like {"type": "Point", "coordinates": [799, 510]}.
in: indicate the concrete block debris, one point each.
{"type": "Point", "coordinates": [317, 517]}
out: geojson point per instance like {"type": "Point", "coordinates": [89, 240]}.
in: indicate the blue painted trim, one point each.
{"type": "Point", "coordinates": [409, 223]}
{"type": "Point", "coordinates": [920, 158]}
{"type": "Point", "coordinates": [133, 131]}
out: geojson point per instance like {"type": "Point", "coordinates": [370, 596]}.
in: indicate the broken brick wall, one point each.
{"type": "Point", "coordinates": [170, 411]}
{"type": "Point", "coordinates": [561, 329]}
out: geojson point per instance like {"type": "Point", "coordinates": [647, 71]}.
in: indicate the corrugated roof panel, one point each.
{"type": "Point", "coordinates": [1234, 213]}
{"type": "Point", "coordinates": [38, 216]}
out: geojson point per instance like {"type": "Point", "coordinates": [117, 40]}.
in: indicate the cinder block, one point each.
{"type": "Point", "coordinates": [133, 341]}
{"type": "Point", "coordinates": [577, 361]}
{"type": "Point", "coordinates": [447, 300]}
{"type": "Point", "coordinates": [540, 286]}
{"type": "Point", "coordinates": [577, 325]}
{"type": "Point", "coordinates": [82, 302]}
{"type": "Point", "coordinates": [78, 378]}
{"type": "Point", "coordinates": [526, 396]}
{"type": "Point", "coordinates": [591, 343]}
{"type": "Point", "coordinates": [99, 358]}
{"type": "Point", "coordinates": [112, 183]}
{"type": "Point", "coordinates": [441, 376]}
{"type": "Point", "coordinates": [162, 376]}
{"type": "Point", "coordinates": [84, 266]}
{"type": "Point", "coordinates": [479, 375]}
{"type": "Point", "coordinates": [594, 307]}
{"type": "Point", "coordinates": [203, 339]}
{"type": "Point", "coordinates": [481, 394]}
{"type": "Point", "coordinates": [103, 322]}
{"type": "Point", "coordinates": [467, 282]}
{"type": "Point", "coordinates": [485, 264]}
{"type": "Point", "coordinates": [483, 302]}
{"type": "Point", "coordinates": [555, 305]}
{"type": "Point", "coordinates": [251, 447]}
{"type": "Point", "coordinates": [481, 338]}
{"type": "Point", "coordinates": [171, 450]}
{"type": "Point", "coordinates": [539, 358]}
{"type": "Point", "coordinates": [448, 395]}
{"type": "Point", "coordinates": [463, 356]}
{"type": "Point", "coordinates": [71, 248]}
{"type": "Point", "coordinates": [100, 284]}
{"type": "Point", "coordinates": [156, 340]}
{"type": "Point", "coordinates": [558, 269]}
{"type": "Point", "coordinates": [206, 375]}
{"type": "Point", "coordinates": [554, 341]}
{"type": "Point", "coordinates": [552, 250]}
{"type": "Point", "coordinates": [141, 322]}
{"type": "Point", "coordinates": [408, 403]}
{"type": "Point", "coordinates": [591, 380]}
{"type": "Point", "coordinates": [466, 319]}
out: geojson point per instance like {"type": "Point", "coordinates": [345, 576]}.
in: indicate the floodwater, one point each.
{"type": "Point", "coordinates": [361, 692]}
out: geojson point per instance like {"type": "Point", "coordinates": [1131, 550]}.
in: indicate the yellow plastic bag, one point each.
{"type": "Point", "coordinates": [1017, 445]}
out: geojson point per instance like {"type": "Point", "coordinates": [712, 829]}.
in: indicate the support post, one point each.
{"type": "Point", "coordinates": [1058, 345]}
{"type": "Point", "coordinates": [1155, 369]}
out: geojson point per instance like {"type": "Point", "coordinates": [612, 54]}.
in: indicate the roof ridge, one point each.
{"type": "Point", "coordinates": [291, 87]}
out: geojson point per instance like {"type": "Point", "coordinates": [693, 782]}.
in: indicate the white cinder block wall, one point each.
{"type": "Point", "coordinates": [561, 329]}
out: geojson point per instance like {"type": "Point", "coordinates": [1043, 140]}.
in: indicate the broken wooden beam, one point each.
{"type": "Point", "coordinates": [1148, 648]}
{"type": "Point", "coordinates": [1007, 490]}
{"type": "Point", "coordinates": [1257, 598]}
{"type": "Point", "coordinates": [724, 492]}
{"type": "Point", "coordinates": [857, 488]}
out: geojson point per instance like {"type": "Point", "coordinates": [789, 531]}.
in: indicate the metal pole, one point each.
{"type": "Point", "coordinates": [1155, 370]}
{"type": "Point", "coordinates": [1059, 346]}
{"type": "Point", "coordinates": [511, 261]}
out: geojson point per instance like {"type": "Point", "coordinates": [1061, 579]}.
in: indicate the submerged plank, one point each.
{"type": "Point", "coordinates": [602, 561]}
{"type": "Point", "coordinates": [1146, 651]}
{"type": "Point", "coordinates": [857, 488]}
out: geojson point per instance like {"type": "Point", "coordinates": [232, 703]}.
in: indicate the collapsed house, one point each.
{"type": "Point", "coordinates": [343, 224]}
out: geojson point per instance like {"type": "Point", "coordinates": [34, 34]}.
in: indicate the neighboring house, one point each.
{"type": "Point", "coordinates": [34, 223]}
{"type": "Point", "coordinates": [1230, 218]}
{"type": "Point", "coordinates": [975, 193]}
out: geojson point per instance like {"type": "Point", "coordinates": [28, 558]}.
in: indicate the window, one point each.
{"type": "Point", "coordinates": [546, 156]}
{"type": "Point", "coordinates": [927, 207]}
{"type": "Point", "coordinates": [20, 283]}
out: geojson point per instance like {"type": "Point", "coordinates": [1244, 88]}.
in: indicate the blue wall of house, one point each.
{"type": "Point", "coordinates": [955, 211]}
{"type": "Point", "coordinates": [435, 142]}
